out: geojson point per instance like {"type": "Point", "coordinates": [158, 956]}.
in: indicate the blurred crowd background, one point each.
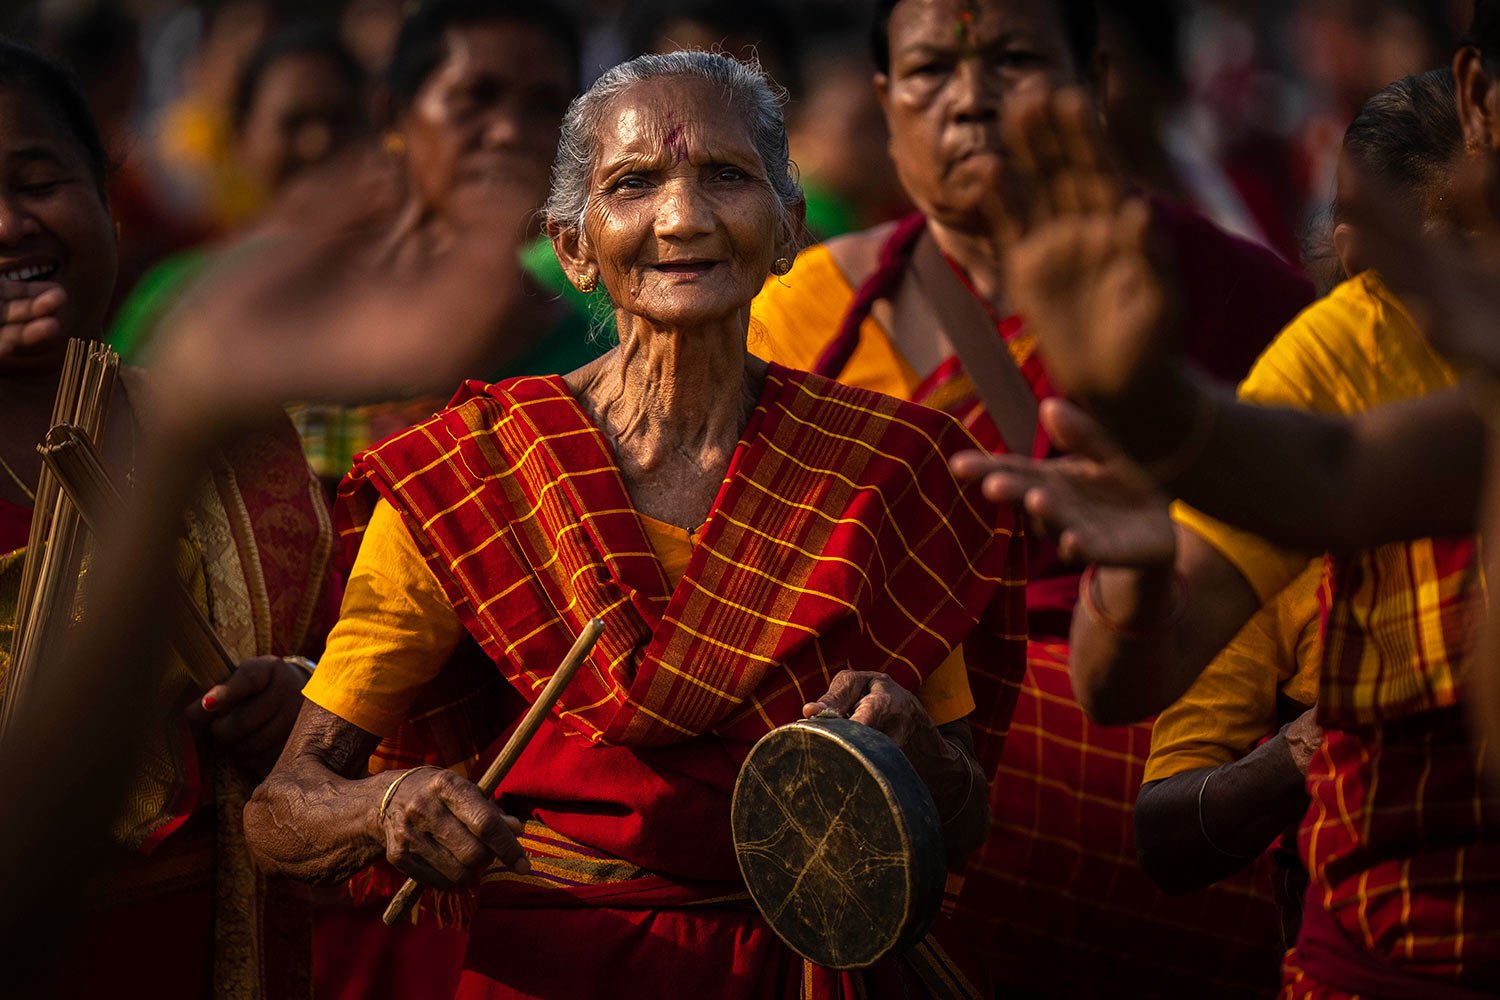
{"type": "Point", "coordinates": [214, 107]}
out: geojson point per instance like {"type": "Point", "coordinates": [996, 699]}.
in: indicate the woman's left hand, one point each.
{"type": "Point", "coordinates": [943, 756]}
{"type": "Point", "coordinates": [252, 713]}
{"type": "Point", "coordinates": [874, 700]}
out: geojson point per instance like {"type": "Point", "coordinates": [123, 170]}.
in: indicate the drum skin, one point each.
{"type": "Point", "coordinates": [839, 842]}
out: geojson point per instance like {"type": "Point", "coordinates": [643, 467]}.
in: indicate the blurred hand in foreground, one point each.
{"type": "Point", "coordinates": [1082, 272]}
{"type": "Point", "coordinates": [1099, 505]}
{"type": "Point", "coordinates": [346, 314]}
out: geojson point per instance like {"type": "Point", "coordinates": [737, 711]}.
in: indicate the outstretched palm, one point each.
{"type": "Point", "coordinates": [349, 316]}
{"type": "Point", "coordinates": [1101, 507]}
{"type": "Point", "coordinates": [1082, 272]}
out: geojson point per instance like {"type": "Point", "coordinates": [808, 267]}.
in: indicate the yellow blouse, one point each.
{"type": "Point", "coordinates": [1232, 705]}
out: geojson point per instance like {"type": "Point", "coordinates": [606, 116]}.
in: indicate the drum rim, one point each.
{"type": "Point", "coordinates": [840, 731]}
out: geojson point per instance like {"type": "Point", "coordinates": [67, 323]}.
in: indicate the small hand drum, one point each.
{"type": "Point", "coordinates": [839, 842]}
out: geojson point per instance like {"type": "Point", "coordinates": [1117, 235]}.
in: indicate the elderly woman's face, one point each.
{"type": "Point", "coordinates": [955, 66]}
{"type": "Point", "coordinates": [489, 113]}
{"type": "Point", "coordinates": [682, 222]}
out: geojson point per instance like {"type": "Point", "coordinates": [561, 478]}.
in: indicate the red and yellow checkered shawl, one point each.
{"type": "Point", "coordinates": [838, 539]}
{"type": "Point", "coordinates": [1398, 630]}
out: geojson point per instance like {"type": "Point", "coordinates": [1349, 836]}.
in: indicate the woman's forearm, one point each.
{"type": "Point", "coordinates": [1141, 636]}
{"type": "Point", "coordinates": [1306, 480]}
{"type": "Point", "coordinates": [1123, 654]}
{"type": "Point", "coordinates": [946, 763]}
{"type": "Point", "coordinates": [1196, 828]}
{"type": "Point", "coordinates": [312, 819]}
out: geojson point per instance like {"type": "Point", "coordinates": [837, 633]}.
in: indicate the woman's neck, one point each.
{"type": "Point", "coordinates": [981, 257]}
{"type": "Point", "coordinates": [667, 397]}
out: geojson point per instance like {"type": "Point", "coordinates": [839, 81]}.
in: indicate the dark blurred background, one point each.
{"type": "Point", "coordinates": [1236, 106]}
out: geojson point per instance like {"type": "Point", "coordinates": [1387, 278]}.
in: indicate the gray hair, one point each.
{"type": "Point", "coordinates": [745, 86]}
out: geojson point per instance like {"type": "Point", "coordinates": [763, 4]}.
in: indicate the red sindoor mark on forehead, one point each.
{"type": "Point", "coordinates": [675, 142]}
{"type": "Point", "coordinates": [965, 23]}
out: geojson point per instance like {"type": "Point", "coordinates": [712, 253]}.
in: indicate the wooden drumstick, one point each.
{"type": "Point", "coordinates": [403, 901]}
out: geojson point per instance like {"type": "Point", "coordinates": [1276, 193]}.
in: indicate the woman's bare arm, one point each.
{"type": "Point", "coordinates": [318, 817]}
{"type": "Point", "coordinates": [1310, 481]}
{"type": "Point", "coordinates": [1143, 638]}
{"type": "Point", "coordinates": [1198, 827]}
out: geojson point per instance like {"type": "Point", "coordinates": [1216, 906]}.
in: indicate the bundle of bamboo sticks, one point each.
{"type": "Point", "coordinates": [56, 547]}
{"type": "Point", "coordinates": [74, 460]}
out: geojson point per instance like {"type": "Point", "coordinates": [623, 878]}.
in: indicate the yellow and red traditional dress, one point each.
{"type": "Point", "coordinates": [493, 532]}
{"type": "Point", "coordinates": [1057, 899]}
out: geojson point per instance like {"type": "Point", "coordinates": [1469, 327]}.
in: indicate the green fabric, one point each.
{"type": "Point", "coordinates": [140, 315]}
{"type": "Point", "coordinates": [828, 215]}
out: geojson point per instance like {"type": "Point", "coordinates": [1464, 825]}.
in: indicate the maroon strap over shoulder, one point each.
{"type": "Point", "coordinates": [881, 284]}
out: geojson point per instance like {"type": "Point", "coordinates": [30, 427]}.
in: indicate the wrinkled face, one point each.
{"type": "Point", "coordinates": [488, 114]}
{"type": "Point", "coordinates": [304, 111]}
{"type": "Point", "coordinates": [54, 224]}
{"type": "Point", "coordinates": [955, 67]}
{"type": "Point", "coordinates": [682, 224]}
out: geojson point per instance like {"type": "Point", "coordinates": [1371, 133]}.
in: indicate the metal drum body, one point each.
{"type": "Point", "coordinates": [839, 842]}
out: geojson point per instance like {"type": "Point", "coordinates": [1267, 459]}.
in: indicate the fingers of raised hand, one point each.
{"type": "Point", "coordinates": [1002, 478]}
{"type": "Point", "coordinates": [25, 301]}
{"type": "Point", "coordinates": [1072, 430]}
{"type": "Point", "coordinates": [28, 313]}
{"type": "Point", "coordinates": [1035, 153]}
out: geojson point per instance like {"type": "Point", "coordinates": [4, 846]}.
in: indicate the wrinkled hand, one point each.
{"type": "Point", "coordinates": [1081, 270]}
{"type": "Point", "coordinates": [441, 830]}
{"type": "Point", "coordinates": [875, 700]}
{"type": "Point", "coordinates": [1304, 737]}
{"type": "Point", "coordinates": [1099, 505]}
{"type": "Point", "coordinates": [252, 713]}
{"type": "Point", "coordinates": [28, 314]}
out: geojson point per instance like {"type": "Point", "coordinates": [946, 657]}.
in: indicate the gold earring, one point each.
{"type": "Point", "coordinates": [781, 266]}
{"type": "Point", "coordinates": [393, 143]}
{"type": "Point", "coordinates": [587, 283]}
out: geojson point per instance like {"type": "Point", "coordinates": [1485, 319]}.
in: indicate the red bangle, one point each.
{"type": "Point", "coordinates": [1089, 597]}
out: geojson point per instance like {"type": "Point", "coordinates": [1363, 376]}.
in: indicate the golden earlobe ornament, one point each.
{"type": "Point", "coordinates": [587, 283]}
{"type": "Point", "coordinates": [781, 265]}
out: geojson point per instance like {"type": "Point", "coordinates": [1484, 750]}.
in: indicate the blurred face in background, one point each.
{"type": "Point", "coordinates": [955, 67]}
{"type": "Point", "coordinates": [55, 226]}
{"type": "Point", "coordinates": [304, 111]}
{"type": "Point", "coordinates": [488, 114]}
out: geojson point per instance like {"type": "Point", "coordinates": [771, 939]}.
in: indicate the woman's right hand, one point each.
{"type": "Point", "coordinates": [441, 830]}
{"type": "Point", "coordinates": [28, 314]}
{"type": "Point", "coordinates": [1100, 506]}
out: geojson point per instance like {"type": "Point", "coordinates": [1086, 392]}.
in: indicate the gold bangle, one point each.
{"type": "Point", "coordinates": [390, 790]}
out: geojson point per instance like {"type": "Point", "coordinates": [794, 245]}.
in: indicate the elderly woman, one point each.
{"type": "Point", "coordinates": [749, 534]}
{"type": "Point", "coordinates": [916, 308]}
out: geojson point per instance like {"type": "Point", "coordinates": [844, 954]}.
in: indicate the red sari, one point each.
{"type": "Point", "coordinates": [838, 539]}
